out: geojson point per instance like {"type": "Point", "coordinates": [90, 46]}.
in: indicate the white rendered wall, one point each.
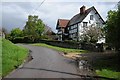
{"type": "Point", "coordinates": [96, 19]}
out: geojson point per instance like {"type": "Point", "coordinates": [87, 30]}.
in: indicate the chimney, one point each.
{"type": "Point", "coordinates": [82, 10]}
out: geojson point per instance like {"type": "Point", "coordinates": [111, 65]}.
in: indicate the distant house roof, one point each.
{"type": "Point", "coordinates": [62, 23]}
{"type": "Point", "coordinates": [79, 17]}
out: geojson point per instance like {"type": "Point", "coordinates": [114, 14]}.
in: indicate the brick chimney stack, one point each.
{"type": "Point", "coordinates": [82, 10]}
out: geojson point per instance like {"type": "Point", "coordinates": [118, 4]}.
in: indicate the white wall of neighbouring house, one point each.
{"type": "Point", "coordinates": [96, 19]}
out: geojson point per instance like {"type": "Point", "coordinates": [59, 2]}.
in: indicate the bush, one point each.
{"type": "Point", "coordinates": [45, 37]}
{"type": "Point", "coordinates": [18, 39]}
{"type": "Point", "coordinates": [27, 39]}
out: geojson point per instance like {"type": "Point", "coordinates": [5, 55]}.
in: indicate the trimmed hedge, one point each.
{"type": "Point", "coordinates": [75, 45]}
{"type": "Point", "coordinates": [64, 44]}
{"type": "Point", "coordinates": [26, 39]}
{"type": "Point", "coordinates": [21, 40]}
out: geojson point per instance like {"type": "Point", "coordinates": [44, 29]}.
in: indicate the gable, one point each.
{"type": "Point", "coordinates": [62, 23]}
{"type": "Point", "coordinates": [80, 17]}
{"type": "Point", "coordinates": [97, 15]}
{"type": "Point", "coordinates": [96, 18]}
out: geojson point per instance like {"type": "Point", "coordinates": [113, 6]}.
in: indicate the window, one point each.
{"type": "Point", "coordinates": [76, 30]}
{"type": "Point", "coordinates": [73, 26]}
{"type": "Point", "coordinates": [71, 31]}
{"type": "Point", "coordinates": [84, 24]}
{"type": "Point", "coordinates": [91, 17]}
{"type": "Point", "coordinates": [68, 28]}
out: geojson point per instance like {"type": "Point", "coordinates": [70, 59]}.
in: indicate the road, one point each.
{"type": "Point", "coordinates": [46, 63]}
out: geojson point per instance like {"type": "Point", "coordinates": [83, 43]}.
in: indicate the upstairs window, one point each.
{"type": "Point", "coordinates": [84, 24]}
{"type": "Point", "coordinates": [91, 17]}
{"type": "Point", "coordinates": [68, 28]}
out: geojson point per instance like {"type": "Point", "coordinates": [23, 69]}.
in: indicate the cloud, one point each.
{"type": "Point", "coordinates": [14, 14]}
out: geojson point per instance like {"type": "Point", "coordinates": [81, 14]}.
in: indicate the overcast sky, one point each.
{"type": "Point", "coordinates": [14, 14]}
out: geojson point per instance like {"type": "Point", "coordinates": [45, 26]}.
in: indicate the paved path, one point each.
{"type": "Point", "coordinates": [46, 63]}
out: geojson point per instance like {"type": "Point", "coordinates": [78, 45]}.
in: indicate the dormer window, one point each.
{"type": "Point", "coordinates": [91, 17]}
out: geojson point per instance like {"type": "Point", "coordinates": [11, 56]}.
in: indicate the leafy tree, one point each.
{"type": "Point", "coordinates": [34, 27]}
{"type": "Point", "coordinates": [40, 26]}
{"type": "Point", "coordinates": [112, 28]}
{"type": "Point", "coordinates": [92, 34]}
{"type": "Point", "coordinates": [17, 32]}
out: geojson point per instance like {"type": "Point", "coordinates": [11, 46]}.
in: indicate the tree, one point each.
{"type": "Point", "coordinates": [34, 27]}
{"type": "Point", "coordinates": [17, 32]}
{"type": "Point", "coordinates": [91, 34]}
{"type": "Point", "coordinates": [112, 28]}
{"type": "Point", "coordinates": [40, 26]}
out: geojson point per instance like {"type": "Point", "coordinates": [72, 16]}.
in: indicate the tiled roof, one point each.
{"type": "Point", "coordinates": [62, 22]}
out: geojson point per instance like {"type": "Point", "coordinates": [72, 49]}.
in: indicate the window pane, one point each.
{"type": "Point", "coordinates": [91, 17]}
{"type": "Point", "coordinates": [84, 24]}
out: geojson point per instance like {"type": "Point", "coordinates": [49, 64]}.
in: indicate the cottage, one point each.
{"type": "Point", "coordinates": [84, 18]}
{"type": "Point", "coordinates": [61, 25]}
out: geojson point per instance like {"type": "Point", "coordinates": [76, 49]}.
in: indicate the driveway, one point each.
{"type": "Point", "coordinates": [46, 63]}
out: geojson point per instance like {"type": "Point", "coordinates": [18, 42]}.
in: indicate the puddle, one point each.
{"type": "Point", "coordinates": [85, 68]}
{"type": "Point", "coordinates": [84, 65]}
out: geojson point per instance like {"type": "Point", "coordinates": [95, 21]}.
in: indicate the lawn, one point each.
{"type": "Point", "coordinates": [12, 56]}
{"type": "Point", "coordinates": [65, 50]}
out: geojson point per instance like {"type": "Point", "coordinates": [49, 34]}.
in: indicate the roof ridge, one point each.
{"type": "Point", "coordinates": [79, 17]}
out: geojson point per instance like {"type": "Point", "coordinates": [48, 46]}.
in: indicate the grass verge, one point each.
{"type": "Point", "coordinates": [12, 56]}
{"type": "Point", "coordinates": [65, 50]}
{"type": "Point", "coordinates": [0, 57]}
{"type": "Point", "coordinates": [108, 67]}
{"type": "Point", "coordinates": [108, 73]}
